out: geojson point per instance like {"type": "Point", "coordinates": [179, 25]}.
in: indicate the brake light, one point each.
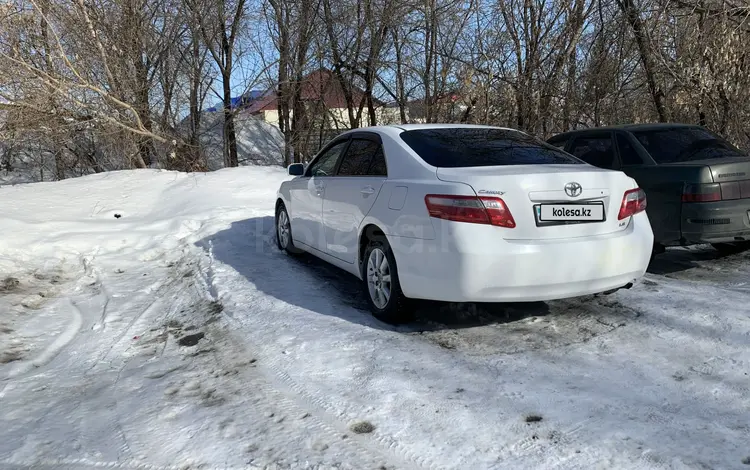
{"type": "Point", "coordinates": [701, 192]}
{"type": "Point", "coordinates": [472, 209]}
{"type": "Point", "coordinates": [633, 202]}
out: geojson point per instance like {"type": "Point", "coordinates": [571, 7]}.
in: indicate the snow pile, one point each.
{"type": "Point", "coordinates": [258, 142]}
{"type": "Point", "coordinates": [130, 211]}
{"type": "Point", "coordinates": [149, 321]}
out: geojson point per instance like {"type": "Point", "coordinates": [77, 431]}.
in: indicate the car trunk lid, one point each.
{"type": "Point", "coordinates": [731, 173]}
{"type": "Point", "coordinates": [529, 189]}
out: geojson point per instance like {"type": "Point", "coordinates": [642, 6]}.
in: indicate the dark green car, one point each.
{"type": "Point", "coordinates": [697, 184]}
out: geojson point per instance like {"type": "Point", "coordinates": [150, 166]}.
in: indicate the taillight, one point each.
{"type": "Point", "coordinates": [701, 192]}
{"type": "Point", "coordinates": [472, 209]}
{"type": "Point", "coordinates": [633, 202]}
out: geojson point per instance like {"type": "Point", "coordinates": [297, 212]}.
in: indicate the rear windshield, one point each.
{"type": "Point", "coordinates": [471, 147]}
{"type": "Point", "coordinates": [685, 144]}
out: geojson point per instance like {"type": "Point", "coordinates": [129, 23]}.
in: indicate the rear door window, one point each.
{"type": "Point", "coordinates": [358, 158]}
{"type": "Point", "coordinates": [473, 147]}
{"type": "Point", "coordinates": [378, 166]}
{"type": "Point", "coordinates": [682, 144]}
{"type": "Point", "coordinates": [596, 150]}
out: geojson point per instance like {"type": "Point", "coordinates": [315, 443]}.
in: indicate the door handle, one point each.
{"type": "Point", "coordinates": [367, 190]}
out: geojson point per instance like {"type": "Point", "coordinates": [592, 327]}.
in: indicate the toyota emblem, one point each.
{"type": "Point", "coordinates": [573, 189]}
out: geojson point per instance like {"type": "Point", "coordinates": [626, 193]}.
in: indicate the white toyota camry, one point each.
{"type": "Point", "coordinates": [464, 213]}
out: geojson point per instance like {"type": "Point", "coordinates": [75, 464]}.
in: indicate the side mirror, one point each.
{"type": "Point", "coordinates": [296, 169]}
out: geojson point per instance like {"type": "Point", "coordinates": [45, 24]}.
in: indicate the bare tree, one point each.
{"type": "Point", "coordinates": [220, 24]}
{"type": "Point", "coordinates": [292, 24]}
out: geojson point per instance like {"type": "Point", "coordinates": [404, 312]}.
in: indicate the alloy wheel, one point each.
{"type": "Point", "coordinates": [379, 278]}
{"type": "Point", "coordinates": [283, 229]}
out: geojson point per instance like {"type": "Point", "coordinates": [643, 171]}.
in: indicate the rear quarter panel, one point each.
{"type": "Point", "coordinates": [400, 210]}
{"type": "Point", "coordinates": [663, 185]}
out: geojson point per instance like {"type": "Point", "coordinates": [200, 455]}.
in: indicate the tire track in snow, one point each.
{"type": "Point", "coordinates": [107, 420]}
{"type": "Point", "coordinates": [266, 394]}
{"type": "Point", "coordinates": [78, 463]}
{"type": "Point", "coordinates": [350, 450]}
{"type": "Point", "coordinates": [54, 348]}
{"type": "Point", "coordinates": [387, 446]}
{"type": "Point", "coordinates": [176, 285]}
{"type": "Point", "coordinates": [178, 296]}
{"type": "Point", "coordinates": [156, 290]}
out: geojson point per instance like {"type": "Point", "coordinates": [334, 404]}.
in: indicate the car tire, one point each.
{"type": "Point", "coordinates": [731, 248]}
{"type": "Point", "coordinates": [284, 234]}
{"type": "Point", "coordinates": [381, 284]}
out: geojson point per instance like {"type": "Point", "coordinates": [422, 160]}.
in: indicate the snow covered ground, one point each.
{"type": "Point", "coordinates": [148, 321]}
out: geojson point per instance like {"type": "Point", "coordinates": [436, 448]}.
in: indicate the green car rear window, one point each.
{"type": "Point", "coordinates": [685, 144]}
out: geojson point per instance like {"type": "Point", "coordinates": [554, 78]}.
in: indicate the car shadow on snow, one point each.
{"type": "Point", "coordinates": [249, 247]}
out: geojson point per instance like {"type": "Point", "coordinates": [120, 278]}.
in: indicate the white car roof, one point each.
{"type": "Point", "coordinates": [409, 127]}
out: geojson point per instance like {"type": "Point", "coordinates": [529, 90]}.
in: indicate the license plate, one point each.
{"type": "Point", "coordinates": [571, 212]}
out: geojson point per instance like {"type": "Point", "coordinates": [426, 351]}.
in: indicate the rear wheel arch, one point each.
{"type": "Point", "coordinates": [398, 308]}
{"type": "Point", "coordinates": [368, 233]}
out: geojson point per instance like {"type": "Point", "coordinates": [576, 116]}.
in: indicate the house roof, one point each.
{"type": "Point", "coordinates": [316, 86]}
{"type": "Point", "coordinates": [238, 101]}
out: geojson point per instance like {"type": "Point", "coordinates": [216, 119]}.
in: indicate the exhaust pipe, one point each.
{"type": "Point", "coordinates": [612, 291]}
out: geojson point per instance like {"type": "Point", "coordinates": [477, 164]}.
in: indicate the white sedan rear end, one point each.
{"type": "Point", "coordinates": [464, 214]}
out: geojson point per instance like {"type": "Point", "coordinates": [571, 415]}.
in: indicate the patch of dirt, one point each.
{"type": "Point", "coordinates": [488, 329]}
{"type": "Point", "coordinates": [533, 418]}
{"type": "Point", "coordinates": [9, 284]}
{"type": "Point", "coordinates": [10, 356]}
{"type": "Point", "coordinates": [191, 340]}
{"type": "Point", "coordinates": [445, 343]}
{"type": "Point", "coordinates": [362, 427]}
{"type": "Point", "coordinates": [215, 307]}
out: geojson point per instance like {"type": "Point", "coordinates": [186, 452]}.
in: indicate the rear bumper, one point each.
{"type": "Point", "coordinates": [472, 263]}
{"type": "Point", "coordinates": [716, 222]}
